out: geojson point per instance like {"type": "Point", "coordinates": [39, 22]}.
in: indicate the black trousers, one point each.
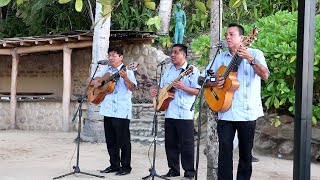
{"type": "Point", "coordinates": [226, 132]}
{"type": "Point", "coordinates": [179, 140]}
{"type": "Point", "coordinates": [117, 135]}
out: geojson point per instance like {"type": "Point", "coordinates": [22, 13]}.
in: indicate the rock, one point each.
{"type": "Point", "coordinates": [286, 148]}
{"type": "Point", "coordinates": [285, 119]}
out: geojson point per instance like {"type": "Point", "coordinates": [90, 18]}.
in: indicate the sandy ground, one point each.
{"type": "Point", "coordinates": [44, 155]}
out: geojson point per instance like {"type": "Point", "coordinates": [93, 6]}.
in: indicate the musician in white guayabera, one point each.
{"type": "Point", "coordinates": [178, 91]}
{"type": "Point", "coordinates": [236, 96]}
{"type": "Point", "coordinates": [113, 86]}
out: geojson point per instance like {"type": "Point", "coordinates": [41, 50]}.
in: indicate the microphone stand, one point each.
{"type": "Point", "coordinates": [152, 170]}
{"type": "Point", "coordinates": [200, 110]}
{"type": "Point", "coordinates": [80, 100]}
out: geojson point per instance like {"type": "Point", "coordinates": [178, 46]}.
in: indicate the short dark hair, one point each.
{"type": "Point", "coordinates": [240, 28]}
{"type": "Point", "coordinates": [182, 48]}
{"type": "Point", "coordinates": [117, 49]}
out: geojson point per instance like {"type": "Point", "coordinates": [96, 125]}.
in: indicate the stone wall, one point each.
{"type": "Point", "coordinates": [279, 141]}
{"type": "Point", "coordinates": [4, 115]}
{"type": "Point", "coordinates": [143, 117]}
{"type": "Point", "coordinates": [35, 115]}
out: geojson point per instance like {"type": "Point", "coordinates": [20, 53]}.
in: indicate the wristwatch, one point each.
{"type": "Point", "coordinates": [253, 62]}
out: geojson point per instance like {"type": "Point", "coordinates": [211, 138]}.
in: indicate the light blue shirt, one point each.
{"type": "Point", "coordinates": [179, 107]}
{"type": "Point", "coordinates": [246, 104]}
{"type": "Point", "coordinates": [118, 104]}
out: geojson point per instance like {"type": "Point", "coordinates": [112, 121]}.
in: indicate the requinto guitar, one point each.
{"type": "Point", "coordinates": [166, 94]}
{"type": "Point", "coordinates": [108, 82]}
{"type": "Point", "coordinates": [219, 99]}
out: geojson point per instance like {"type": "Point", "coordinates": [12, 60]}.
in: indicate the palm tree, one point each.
{"type": "Point", "coordinates": [93, 131]}
{"type": "Point", "coordinates": [165, 7]}
{"type": "Point", "coordinates": [212, 147]}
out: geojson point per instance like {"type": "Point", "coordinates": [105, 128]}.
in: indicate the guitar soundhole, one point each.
{"type": "Point", "coordinates": [103, 83]}
{"type": "Point", "coordinates": [214, 94]}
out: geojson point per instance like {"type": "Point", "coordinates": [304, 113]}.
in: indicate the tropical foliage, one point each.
{"type": "Point", "coordinates": [41, 17]}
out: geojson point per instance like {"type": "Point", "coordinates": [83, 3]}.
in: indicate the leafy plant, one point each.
{"type": "Point", "coordinates": [278, 42]}
{"type": "Point", "coordinates": [131, 15]}
{"type": "Point", "coordinates": [249, 11]}
{"type": "Point", "coordinates": [165, 41]}
{"type": "Point", "coordinates": [154, 22]}
{"type": "Point", "coordinates": [42, 17]}
{"type": "Point", "coordinates": [276, 121]}
{"type": "Point", "coordinates": [201, 47]}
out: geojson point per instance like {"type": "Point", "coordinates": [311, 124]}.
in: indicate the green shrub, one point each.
{"type": "Point", "coordinates": [277, 39]}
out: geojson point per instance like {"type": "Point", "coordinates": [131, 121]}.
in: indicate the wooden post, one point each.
{"type": "Point", "coordinates": [66, 88]}
{"type": "Point", "coordinates": [13, 91]}
{"type": "Point", "coordinates": [304, 89]}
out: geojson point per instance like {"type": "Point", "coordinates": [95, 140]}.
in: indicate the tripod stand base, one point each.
{"type": "Point", "coordinates": [153, 174]}
{"type": "Point", "coordinates": [77, 170]}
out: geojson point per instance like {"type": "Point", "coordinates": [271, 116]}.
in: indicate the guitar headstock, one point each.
{"type": "Point", "coordinates": [133, 66]}
{"type": "Point", "coordinates": [188, 71]}
{"type": "Point", "coordinates": [249, 39]}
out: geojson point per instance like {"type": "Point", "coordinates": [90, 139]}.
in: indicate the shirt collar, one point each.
{"type": "Point", "coordinates": [184, 66]}
{"type": "Point", "coordinates": [117, 68]}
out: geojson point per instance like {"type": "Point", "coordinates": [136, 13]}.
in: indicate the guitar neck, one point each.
{"type": "Point", "coordinates": [112, 77]}
{"type": "Point", "coordinates": [177, 79]}
{"type": "Point", "coordinates": [231, 65]}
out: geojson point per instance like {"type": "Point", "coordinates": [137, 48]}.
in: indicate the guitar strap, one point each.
{"type": "Point", "coordinates": [118, 77]}
{"type": "Point", "coordinates": [182, 70]}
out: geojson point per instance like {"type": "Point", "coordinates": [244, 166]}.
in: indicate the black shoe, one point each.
{"type": "Point", "coordinates": [171, 174]}
{"type": "Point", "coordinates": [189, 175]}
{"type": "Point", "coordinates": [122, 172]}
{"type": "Point", "coordinates": [109, 170]}
{"type": "Point", "coordinates": [254, 159]}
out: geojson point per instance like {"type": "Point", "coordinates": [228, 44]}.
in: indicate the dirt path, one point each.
{"type": "Point", "coordinates": [26, 155]}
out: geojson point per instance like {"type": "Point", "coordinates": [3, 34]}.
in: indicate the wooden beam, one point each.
{"type": "Point", "coordinates": [83, 44]}
{"type": "Point", "coordinates": [85, 38]}
{"type": "Point", "coordinates": [71, 39]}
{"type": "Point", "coordinates": [13, 91]}
{"type": "Point", "coordinates": [5, 51]}
{"type": "Point", "coordinates": [66, 88]}
{"type": "Point", "coordinates": [9, 45]}
{"type": "Point", "coordinates": [26, 43]}
{"type": "Point", "coordinates": [54, 47]}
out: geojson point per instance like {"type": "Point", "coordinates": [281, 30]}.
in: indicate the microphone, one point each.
{"type": "Point", "coordinates": [166, 61]}
{"type": "Point", "coordinates": [222, 44]}
{"type": "Point", "coordinates": [103, 62]}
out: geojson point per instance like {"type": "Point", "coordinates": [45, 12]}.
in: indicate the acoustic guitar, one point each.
{"type": "Point", "coordinates": [108, 82]}
{"type": "Point", "coordinates": [220, 99]}
{"type": "Point", "coordinates": [166, 94]}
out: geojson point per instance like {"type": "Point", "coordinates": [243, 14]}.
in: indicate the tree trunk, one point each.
{"type": "Point", "coordinates": [93, 127]}
{"type": "Point", "coordinates": [212, 148]}
{"type": "Point", "coordinates": [165, 15]}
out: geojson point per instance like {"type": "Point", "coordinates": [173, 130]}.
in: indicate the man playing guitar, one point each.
{"type": "Point", "coordinates": [179, 134]}
{"type": "Point", "coordinates": [116, 108]}
{"type": "Point", "coordinates": [246, 105]}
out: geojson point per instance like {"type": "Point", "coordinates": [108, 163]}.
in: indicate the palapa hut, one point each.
{"type": "Point", "coordinates": [42, 77]}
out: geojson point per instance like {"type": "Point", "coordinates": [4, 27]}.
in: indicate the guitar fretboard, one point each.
{"type": "Point", "coordinates": [232, 64]}
{"type": "Point", "coordinates": [112, 77]}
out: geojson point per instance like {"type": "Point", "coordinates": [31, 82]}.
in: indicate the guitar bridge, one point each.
{"type": "Point", "coordinates": [214, 94]}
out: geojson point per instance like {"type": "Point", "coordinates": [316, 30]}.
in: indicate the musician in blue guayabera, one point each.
{"type": "Point", "coordinates": [116, 107]}
{"type": "Point", "coordinates": [235, 94]}
{"type": "Point", "coordinates": [178, 91]}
